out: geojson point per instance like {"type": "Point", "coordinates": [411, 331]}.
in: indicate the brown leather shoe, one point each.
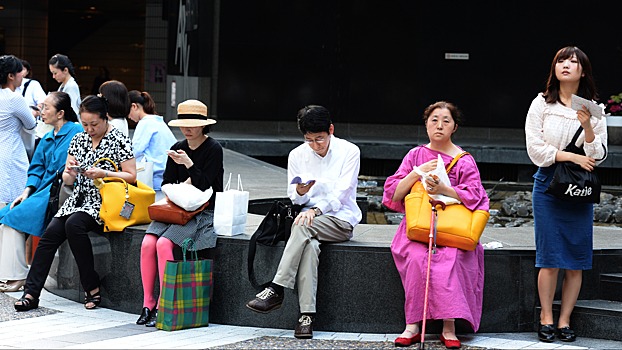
{"type": "Point", "coordinates": [304, 328]}
{"type": "Point", "coordinates": [266, 301]}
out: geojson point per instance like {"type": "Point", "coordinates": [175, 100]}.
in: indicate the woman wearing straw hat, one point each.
{"type": "Point", "coordinates": [197, 160]}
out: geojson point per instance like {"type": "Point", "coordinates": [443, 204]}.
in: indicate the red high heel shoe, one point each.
{"type": "Point", "coordinates": [402, 341]}
{"type": "Point", "coordinates": [451, 343]}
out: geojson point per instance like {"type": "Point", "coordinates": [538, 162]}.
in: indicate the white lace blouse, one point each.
{"type": "Point", "coordinates": [550, 127]}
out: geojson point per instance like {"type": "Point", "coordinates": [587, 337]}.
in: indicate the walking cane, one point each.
{"type": "Point", "coordinates": [431, 250]}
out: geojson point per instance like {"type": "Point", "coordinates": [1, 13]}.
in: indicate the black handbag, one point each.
{"type": "Point", "coordinates": [53, 201]}
{"type": "Point", "coordinates": [274, 228]}
{"type": "Point", "coordinates": [571, 182]}
{"type": "Point", "coordinates": [59, 192]}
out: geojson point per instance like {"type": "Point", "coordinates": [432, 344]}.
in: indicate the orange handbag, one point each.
{"type": "Point", "coordinates": [456, 226]}
{"type": "Point", "coordinates": [170, 213]}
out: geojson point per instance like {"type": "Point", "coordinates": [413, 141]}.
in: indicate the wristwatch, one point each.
{"type": "Point", "coordinates": [317, 211]}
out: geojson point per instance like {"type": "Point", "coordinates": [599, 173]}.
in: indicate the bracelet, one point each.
{"type": "Point", "coordinates": [106, 173]}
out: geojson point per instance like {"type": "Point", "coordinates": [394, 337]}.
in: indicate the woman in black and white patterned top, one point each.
{"type": "Point", "coordinates": [80, 212]}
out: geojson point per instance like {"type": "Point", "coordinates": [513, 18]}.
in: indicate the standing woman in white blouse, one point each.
{"type": "Point", "coordinates": [14, 116]}
{"type": "Point", "coordinates": [563, 230]}
{"type": "Point", "coordinates": [63, 72]}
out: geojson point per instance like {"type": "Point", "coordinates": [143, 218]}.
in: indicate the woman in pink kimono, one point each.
{"type": "Point", "coordinates": [457, 276]}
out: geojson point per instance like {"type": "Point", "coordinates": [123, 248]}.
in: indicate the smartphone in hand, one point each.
{"type": "Point", "coordinates": [77, 169]}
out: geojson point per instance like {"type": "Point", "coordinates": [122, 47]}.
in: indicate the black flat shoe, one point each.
{"type": "Point", "coordinates": [566, 334]}
{"type": "Point", "coordinates": [153, 319]}
{"type": "Point", "coordinates": [546, 333]}
{"type": "Point", "coordinates": [144, 316]}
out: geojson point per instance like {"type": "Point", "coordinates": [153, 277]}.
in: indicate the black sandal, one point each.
{"type": "Point", "coordinates": [26, 303]}
{"type": "Point", "coordinates": [94, 299]}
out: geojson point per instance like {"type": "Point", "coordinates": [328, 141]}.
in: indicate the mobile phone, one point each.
{"type": "Point", "coordinates": [35, 108]}
{"type": "Point", "coordinates": [76, 168]}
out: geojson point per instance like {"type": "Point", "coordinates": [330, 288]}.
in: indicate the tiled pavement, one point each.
{"type": "Point", "coordinates": [74, 327]}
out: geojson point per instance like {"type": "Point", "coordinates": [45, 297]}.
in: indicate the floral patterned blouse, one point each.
{"type": "Point", "coordinates": [86, 198]}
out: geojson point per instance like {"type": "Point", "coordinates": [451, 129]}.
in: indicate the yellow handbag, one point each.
{"type": "Point", "coordinates": [456, 226]}
{"type": "Point", "coordinates": [123, 204]}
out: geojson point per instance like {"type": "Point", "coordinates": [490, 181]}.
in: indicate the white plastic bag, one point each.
{"type": "Point", "coordinates": [443, 178]}
{"type": "Point", "coordinates": [231, 210]}
{"type": "Point", "coordinates": [186, 195]}
{"type": "Point", "coordinates": [144, 172]}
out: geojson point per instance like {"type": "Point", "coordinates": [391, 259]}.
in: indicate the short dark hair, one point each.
{"type": "Point", "coordinates": [61, 62]}
{"type": "Point", "coordinates": [26, 65]}
{"type": "Point", "coordinates": [313, 118]}
{"type": "Point", "coordinates": [62, 102]}
{"type": "Point", "coordinates": [95, 104]}
{"type": "Point", "coordinates": [118, 98]}
{"type": "Point", "coordinates": [456, 114]}
{"type": "Point", "coordinates": [9, 64]}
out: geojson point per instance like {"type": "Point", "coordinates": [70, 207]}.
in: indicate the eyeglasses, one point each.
{"type": "Point", "coordinates": [318, 140]}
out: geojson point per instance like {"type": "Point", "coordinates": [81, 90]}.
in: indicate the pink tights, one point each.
{"type": "Point", "coordinates": [154, 253]}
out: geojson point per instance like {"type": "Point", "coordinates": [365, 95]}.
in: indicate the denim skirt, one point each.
{"type": "Point", "coordinates": [563, 230]}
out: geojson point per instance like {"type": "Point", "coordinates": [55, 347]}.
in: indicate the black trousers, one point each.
{"type": "Point", "coordinates": [74, 228]}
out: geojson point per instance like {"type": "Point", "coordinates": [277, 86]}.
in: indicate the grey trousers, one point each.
{"type": "Point", "coordinates": [300, 259]}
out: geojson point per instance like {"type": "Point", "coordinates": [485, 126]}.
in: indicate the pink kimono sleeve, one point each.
{"type": "Point", "coordinates": [467, 182]}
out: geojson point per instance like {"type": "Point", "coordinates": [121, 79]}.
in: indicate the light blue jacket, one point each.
{"type": "Point", "coordinates": [152, 138]}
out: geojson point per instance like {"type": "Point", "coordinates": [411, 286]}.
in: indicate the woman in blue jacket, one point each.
{"type": "Point", "coordinates": [26, 215]}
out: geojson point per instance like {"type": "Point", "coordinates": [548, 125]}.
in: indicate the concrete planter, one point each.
{"type": "Point", "coordinates": [614, 130]}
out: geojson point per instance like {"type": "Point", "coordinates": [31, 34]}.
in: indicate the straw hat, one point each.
{"type": "Point", "coordinates": [191, 113]}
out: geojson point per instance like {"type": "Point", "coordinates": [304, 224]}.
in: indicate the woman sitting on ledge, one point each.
{"type": "Point", "coordinates": [26, 215]}
{"type": "Point", "coordinates": [80, 213]}
{"type": "Point", "coordinates": [456, 276]}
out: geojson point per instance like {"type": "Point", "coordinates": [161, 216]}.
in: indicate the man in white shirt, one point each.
{"type": "Point", "coordinates": [329, 215]}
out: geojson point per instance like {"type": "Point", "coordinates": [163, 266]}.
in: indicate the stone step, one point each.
{"type": "Point", "coordinates": [611, 286]}
{"type": "Point", "coordinates": [595, 318]}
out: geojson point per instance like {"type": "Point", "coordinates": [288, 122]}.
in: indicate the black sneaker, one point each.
{"type": "Point", "coordinates": [266, 301]}
{"type": "Point", "coordinates": [304, 328]}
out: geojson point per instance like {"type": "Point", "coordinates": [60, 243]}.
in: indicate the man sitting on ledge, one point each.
{"type": "Point", "coordinates": [328, 168]}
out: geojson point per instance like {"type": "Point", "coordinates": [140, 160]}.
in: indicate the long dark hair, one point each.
{"type": "Point", "coordinates": [9, 64]}
{"type": "Point", "coordinates": [587, 88]}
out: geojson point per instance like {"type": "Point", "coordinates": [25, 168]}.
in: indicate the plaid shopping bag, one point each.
{"type": "Point", "coordinates": [186, 293]}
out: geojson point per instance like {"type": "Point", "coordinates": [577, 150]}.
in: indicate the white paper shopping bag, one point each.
{"type": "Point", "coordinates": [231, 210]}
{"type": "Point", "coordinates": [144, 172]}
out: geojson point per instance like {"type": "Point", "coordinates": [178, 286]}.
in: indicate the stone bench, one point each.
{"type": "Point", "coordinates": [359, 287]}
